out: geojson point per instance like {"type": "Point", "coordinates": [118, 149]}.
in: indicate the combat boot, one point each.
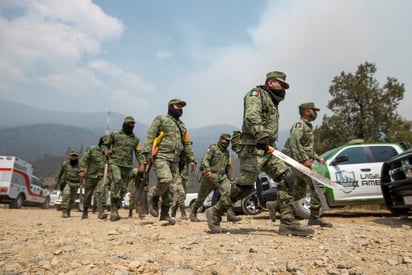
{"type": "Point", "coordinates": [164, 216]}
{"type": "Point", "coordinates": [214, 217]}
{"type": "Point", "coordinates": [193, 214]}
{"type": "Point", "coordinates": [114, 216]}
{"type": "Point", "coordinates": [293, 227]}
{"type": "Point", "coordinates": [272, 208]}
{"type": "Point", "coordinates": [174, 210]}
{"type": "Point", "coordinates": [183, 214]}
{"type": "Point", "coordinates": [231, 216]}
{"type": "Point", "coordinates": [68, 212]}
{"type": "Point", "coordinates": [316, 220]}
{"type": "Point", "coordinates": [100, 209]}
{"type": "Point", "coordinates": [85, 213]}
{"type": "Point", "coordinates": [65, 213]}
{"type": "Point", "coordinates": [154, 205]}
{"type": "Point", "coordinates": [130, 214]}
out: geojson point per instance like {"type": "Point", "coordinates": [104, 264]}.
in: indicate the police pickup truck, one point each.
{"type": "Point", "coordinates": [19, 186]}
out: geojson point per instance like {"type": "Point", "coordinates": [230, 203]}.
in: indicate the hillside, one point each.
{"type": "Point", "coordinates": [45, 137]}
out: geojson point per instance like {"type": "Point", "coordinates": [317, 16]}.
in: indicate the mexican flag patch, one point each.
{"type": "Point", "coordinates": [254, 93]}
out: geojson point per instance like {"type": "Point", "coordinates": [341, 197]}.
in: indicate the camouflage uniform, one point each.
{"type": "Point", "coordinates": [92, 165]}
{"type": "Point", "coordinates": [68, 175]}
{"type": "Point", "coordinates": [180, 189]}
{"type": "Point", "coordinates": [122, 146]}
{"type": "Point", "coordinates": [174, 146]}
{"type": "Point", "coordinates": [218, 163]}
{"type": "Point", "coordinates": [259, 130]}
{"type": "Point", "coordinates": [300, 147]}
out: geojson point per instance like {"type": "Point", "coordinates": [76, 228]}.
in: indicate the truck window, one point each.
{"type": "Point", "coordinates": [355, 155]}
{"type": "Point", "coordinates": [382, 153]}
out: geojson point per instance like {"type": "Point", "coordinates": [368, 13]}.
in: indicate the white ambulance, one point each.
{"type": "Point", "coordinates": [19, 186]}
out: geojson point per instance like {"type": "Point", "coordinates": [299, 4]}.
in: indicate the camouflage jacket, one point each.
{"type": "Point", "coordinates": [301, 141]}
{"type": "Point", "coordinates": [92, 162]}
{"type": "Point", "coordinates": [175, 140]}
{"type": "Point", "coordinates": [260, 116]}
{"type": "Point", "coordinates": [218, 162]}
{"type": "Point", "coordinates": [67, 173]}
{"type": "Point", "coordinates": [123, 147]}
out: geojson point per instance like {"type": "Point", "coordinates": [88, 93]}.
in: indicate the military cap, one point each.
{"type": "Point", "coordinates": [74, 153]}
{"type": "Point", "coordinates": [279, 76]}
{"type": "Point", "coordinates": [308, 105]}
{"type": "Point", "coordinates": [176, 101]}
{"type": "Point", "coordinates": [129, 119]}
{"type": "Point", "coordinates": [226, 136]}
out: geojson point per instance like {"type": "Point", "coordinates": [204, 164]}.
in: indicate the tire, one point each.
{"type": "Point", "coordinates": [18, 202]}
{"type": "Point", "coordinates": [250, 205]}
{"type": "Point", "coordinates": [46, 203]}
{"type": "Point", "coordinates": [302, 207]}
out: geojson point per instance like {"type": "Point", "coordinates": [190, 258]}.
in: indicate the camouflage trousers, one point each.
{"type": "Point", "coordinates": [206, 186]}
{"type": "Point", "coordinates": [69, 195]}
{"type": "Point", "coordinates": [167, 173]}
{"type": "Point", "coordinates": [254, 161]}
{"type": "Point", "coordinates": [302, 184]}
{"type": "Point", "coordinates": [100, 193]}
{"type": "Point", "coordinates": [89, 189]}
{"type": "Point", "coordinates": [119, 177]}
{"type": "Point", "coordinates": [180, 188]}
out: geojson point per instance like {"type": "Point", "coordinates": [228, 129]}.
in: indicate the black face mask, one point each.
{"type": "Point", "coordinates": [176, 113]}
{"type": "Point", "coordinates": [277, 95]}
{"type": "Point", "coordinates": [127, 129]}
{"type": "Point", "coordinates": [74, 162]}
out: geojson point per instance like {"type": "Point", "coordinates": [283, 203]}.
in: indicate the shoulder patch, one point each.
{"type": "Point", "coordinates": [254, 93]}
{"type": "Point", "coordinates": [298, 125]}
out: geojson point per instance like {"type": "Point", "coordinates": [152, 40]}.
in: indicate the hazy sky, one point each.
{"type": "Point", "coordinates": [132, 56]}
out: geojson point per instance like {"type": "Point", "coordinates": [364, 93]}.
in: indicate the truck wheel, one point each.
{"type": "Point", "coordinates": [46, 203]}
{"type": "Point", "coordinates": [250, 205]}
{"type": "Point", "coordinates": [18, 202]}
{"type": "Point", "coordinates": [302, 207]}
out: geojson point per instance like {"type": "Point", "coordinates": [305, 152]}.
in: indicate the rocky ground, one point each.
{"type": "Point", "coordinates": [36, 241]}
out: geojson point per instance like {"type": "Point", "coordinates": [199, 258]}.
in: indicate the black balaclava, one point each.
{"type": "Point", "coordinates": [74, 162]}
{"type": "Point", "coordinates": [176, 113]}
{"type": "Point", "coordinates": [102, 140]}
{"type": "Point", "coordinates": [127, 128]}
{"type": "Point", "coordinates": [275, 94]}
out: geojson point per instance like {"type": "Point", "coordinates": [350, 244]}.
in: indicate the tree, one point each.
{"type": "Point", "coordinates": [363, 110]}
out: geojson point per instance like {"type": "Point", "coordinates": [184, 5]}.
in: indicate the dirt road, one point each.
{"type": "Point", "coordinates": [36, 241]}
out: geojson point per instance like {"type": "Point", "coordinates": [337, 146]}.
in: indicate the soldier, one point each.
{"type": "Point", "coordinates": [300, 148]}
{"type": "Point", "coordinates": [259, 131]}
{"type": "Point", "coordinates": [91, 169]}
{"type": "Point", "coordinates": [216, 168]}
{"type": "Point", "coordinates": [174, 148]}
{"type": "Point", "coordinates": [69, 182]}
{"type": "Point", "coordinates": [120, 147]}
{"type": "Point", "coordinates": [180, 191]}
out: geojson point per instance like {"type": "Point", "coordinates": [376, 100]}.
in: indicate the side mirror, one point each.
{"type": "Point", "coordinates": [339, 159]}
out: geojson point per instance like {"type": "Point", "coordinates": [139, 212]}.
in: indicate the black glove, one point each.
{"type": "Point", "coordinates": [262, 143]}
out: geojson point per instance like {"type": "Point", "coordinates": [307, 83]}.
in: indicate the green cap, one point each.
{"type": "Point", "coordinates": [226, 136]}
{"type": "Point", "coordinates": [74, 153]}
{"type": "Point", "coordinates": [176, 101]}
{"type": "Point", "coordinates": [279, 76]}
{"type": "Point", "coordinates": [129, 119]}
{"type": "Point", "coordinates": [308, 105]}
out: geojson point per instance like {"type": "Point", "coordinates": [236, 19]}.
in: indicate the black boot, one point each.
{"type": "Point", "coordinates": [183, 213]}
{"type": "Point", "coordinates": [100, 209]}
{"type": "Point", "coordinates": [65, 213]}
{"type": "Point", "coordinates": [85, 213]}
{"type": "Point", "coordinates": [289, 225]}
{"type": "Point", "coordinates": [154, 205]}
{"type": "Point", "coordinates": [114, 216]}
{"type": "Point", "coordinates": [174, 210]}
{"type": "Point", "coordinates": [164, 216]}
{"type": "Point", "coordinates": [314, 219]}
{"type": "Point", "coordinates": [193, 214]}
